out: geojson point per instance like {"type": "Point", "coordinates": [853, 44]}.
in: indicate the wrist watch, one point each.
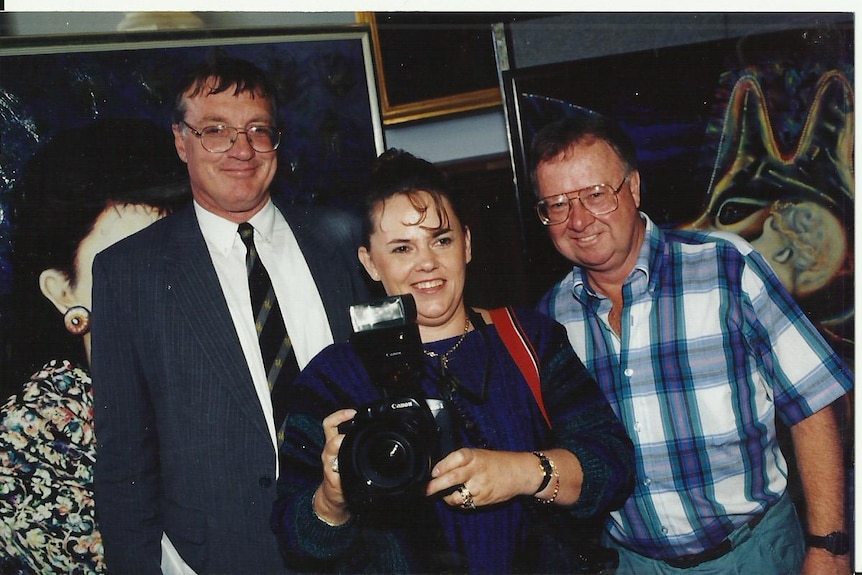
{"type": "Point", "coordinates": [546, 467]}
{"type": "Point", "coordinates": [837, 542]}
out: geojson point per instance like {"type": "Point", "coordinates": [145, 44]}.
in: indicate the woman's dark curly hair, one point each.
{"type": "Point", "coordinates": [399, 172]}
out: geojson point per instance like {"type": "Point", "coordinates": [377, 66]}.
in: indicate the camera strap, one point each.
{"type": "Point", "coordinates": [521, 350]}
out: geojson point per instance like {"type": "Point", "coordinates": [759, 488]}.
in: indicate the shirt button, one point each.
{"type": "Point", "coordinates": [647, 481]}
{"type": "Point", "coordinates": [629, 372]}
{"type": "Point", "coordinates": [664, 530]}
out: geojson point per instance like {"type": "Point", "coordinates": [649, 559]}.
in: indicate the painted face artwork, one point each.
{"type": "Point", "coordinates": [794, 203]}
{"type": "Point", "coordinates": [116, 222]}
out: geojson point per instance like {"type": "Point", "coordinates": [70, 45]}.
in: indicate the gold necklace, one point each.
{"type": "Point", "coordinates": [444, 359]}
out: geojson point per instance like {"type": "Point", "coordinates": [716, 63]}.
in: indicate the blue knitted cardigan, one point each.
{"type": "Point", "coordinates": [432, 536]}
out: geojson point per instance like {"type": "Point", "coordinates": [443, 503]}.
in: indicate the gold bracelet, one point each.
{"type": "Point", "coordinates": [323, 519]}
{"type": "Point", "coordinates": [556, 485]}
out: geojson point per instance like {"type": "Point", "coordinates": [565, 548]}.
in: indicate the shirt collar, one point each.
{"type": "Point", "coordinates": [652, 239]}
{"type": "Point", "coordinates": [222, 233]}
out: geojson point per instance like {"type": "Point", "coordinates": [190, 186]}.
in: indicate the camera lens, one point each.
{"type": "Point", "coordinates": [388, 459]}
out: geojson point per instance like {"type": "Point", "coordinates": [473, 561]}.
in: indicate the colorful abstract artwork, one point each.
{"type": "Point", "coordinates": [792, 200]}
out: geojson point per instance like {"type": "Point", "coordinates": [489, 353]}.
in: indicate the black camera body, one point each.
{"type": "Point", "coordinates": [391, 445]}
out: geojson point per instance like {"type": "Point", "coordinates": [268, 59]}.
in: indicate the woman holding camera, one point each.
{"type": "Point", "coordinates": [530, 463]}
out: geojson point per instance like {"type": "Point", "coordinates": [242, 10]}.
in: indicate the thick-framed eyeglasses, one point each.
{"type": "Point", "coordinates": [219, 138]}
{"type": "Point", "coordinates": [599, 200]}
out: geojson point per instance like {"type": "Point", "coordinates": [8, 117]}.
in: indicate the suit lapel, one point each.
{"type": "Point", "coordinates": [194, 283]}
{"type": "Point", "coordinates": [334, 287]}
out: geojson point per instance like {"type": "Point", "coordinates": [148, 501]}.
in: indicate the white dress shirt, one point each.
{"type": "Point", "coordinates": [300, 303]}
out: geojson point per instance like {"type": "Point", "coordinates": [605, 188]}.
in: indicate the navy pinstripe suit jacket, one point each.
{"type": "Point", "coordinates": [182, 442]}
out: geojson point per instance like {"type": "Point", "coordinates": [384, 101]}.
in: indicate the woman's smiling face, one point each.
{"type": "Point", "coordinates": [417, 249]}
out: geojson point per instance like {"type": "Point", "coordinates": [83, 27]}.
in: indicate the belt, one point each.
{"type": "Point", "coordinates": [711, 554]}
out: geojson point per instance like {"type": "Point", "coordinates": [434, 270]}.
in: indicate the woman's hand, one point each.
{"type": "Point", "coordinates": [476, 477]}
{"type": "Point", "coordinates": [488, 476]}
{"type": "Point", "coordinates": [329, 502]}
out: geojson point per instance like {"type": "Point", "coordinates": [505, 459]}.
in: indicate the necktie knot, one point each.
{"type": "Point", "coordinates": [246, 234]}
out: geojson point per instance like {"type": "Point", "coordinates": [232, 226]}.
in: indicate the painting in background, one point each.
{"type": "Point", "coordinates": [753, 135]}
{"type": "Point", "coordinates": [430, 64]}
{"type": "Point", "coordinates": [328, 112]}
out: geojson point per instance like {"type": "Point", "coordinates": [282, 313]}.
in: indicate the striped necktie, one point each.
{"type": "Point", "coordinates": [279, 359]}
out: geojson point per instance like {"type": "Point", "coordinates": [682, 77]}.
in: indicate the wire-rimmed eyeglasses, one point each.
{"type": "Point", "coordinates": [599, 200]}
{"type": "Point", "coordinates": [220, 138]}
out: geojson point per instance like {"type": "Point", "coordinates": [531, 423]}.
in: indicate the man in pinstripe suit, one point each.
{"type": "Point", "coordinates": [187, 446]}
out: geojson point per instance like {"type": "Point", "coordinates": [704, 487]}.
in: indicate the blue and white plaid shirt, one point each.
{"type": "Point", "coordinates": [712, 349]}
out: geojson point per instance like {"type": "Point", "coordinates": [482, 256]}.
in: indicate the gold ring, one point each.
{"type": "Point", "coordinates": [467, 497]}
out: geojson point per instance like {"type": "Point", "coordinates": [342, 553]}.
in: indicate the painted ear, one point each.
{"type": "Point", "coordinates": [368, 263]}
{"type": "Point", "coordinates": [55, 286]}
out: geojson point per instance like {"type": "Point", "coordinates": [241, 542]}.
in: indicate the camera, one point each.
{"type": "Point", "coordinates": [391, 445]}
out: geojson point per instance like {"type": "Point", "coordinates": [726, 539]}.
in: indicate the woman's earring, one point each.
{"type": "Point", "coordinates": [77, 320]}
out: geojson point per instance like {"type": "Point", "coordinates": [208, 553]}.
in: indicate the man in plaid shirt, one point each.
{"type": "Point", "coordinates": [698, 347]}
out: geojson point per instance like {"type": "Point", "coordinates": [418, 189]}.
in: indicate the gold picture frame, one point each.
{"type": "Point", "coordinates": [474, 67]}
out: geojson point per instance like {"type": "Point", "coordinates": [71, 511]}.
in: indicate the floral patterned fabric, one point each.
{"type": "Point", "coordinates": [47, 451]}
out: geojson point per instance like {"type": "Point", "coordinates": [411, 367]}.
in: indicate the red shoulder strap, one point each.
{"type": "Point", "coordinates": [521, 350]}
